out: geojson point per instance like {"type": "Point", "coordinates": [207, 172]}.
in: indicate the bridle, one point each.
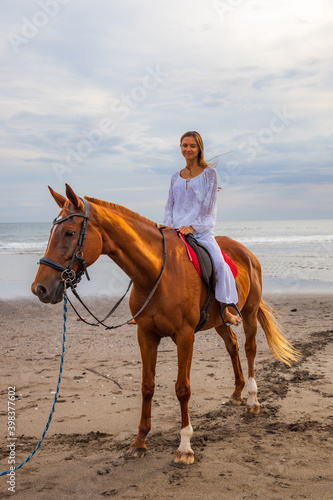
{"type": "Point", "coordinates": [68, 275]}
{"type": "Point", "coordinates": [70, 278]}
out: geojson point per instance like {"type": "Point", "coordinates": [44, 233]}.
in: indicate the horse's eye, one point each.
{"type": "Point", "coordinates": [69, 234]}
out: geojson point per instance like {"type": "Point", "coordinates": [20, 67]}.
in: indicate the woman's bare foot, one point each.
{"type": "Point", "coordinates": [131, 322]}
{"type": "Point", "coordinates": [235, 319]}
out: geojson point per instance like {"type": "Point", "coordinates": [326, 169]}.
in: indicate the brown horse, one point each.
{"type": "Point", "coordinates": [135, 244]}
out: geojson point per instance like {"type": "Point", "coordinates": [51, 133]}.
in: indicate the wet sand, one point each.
{"type": "Point", "coordinates": [284, 452]}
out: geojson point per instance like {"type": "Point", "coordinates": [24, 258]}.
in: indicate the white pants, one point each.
{"type": "Point", "coordinates": [225, 290]}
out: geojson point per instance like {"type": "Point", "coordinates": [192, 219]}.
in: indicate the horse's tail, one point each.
{"type": "Point", "coordinates": [279, 346]}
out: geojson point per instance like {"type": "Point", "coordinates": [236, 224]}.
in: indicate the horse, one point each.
{"type": "Point", "coordinates": [135, 244]}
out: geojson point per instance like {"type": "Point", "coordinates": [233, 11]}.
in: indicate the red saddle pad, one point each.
{"type": "Point", "coordinates": [193, 258]}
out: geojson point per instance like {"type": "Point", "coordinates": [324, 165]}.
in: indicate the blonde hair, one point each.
{"type": "Point", "coordinates": [199, 141]}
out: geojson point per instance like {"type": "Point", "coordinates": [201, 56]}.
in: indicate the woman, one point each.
{"type": "Point", "coordinates": [191, 208]}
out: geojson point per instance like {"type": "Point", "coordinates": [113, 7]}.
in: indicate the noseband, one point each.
{"type": "Point", "coordinates": [68, 275]}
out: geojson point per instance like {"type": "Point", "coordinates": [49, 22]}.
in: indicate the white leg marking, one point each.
{"type": "Point", "coordinates": [252, 392]}
{"type": "Point", "coordinates": [185, 445]}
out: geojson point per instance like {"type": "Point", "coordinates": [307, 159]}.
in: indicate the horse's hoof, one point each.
{"type": "Point", "coordinates": [184, 458]}
{"type": "Point", "coordinates": [137, 452]}
{"type": "Point", "coordinates": [255, 409]}
{"type": "Point", "coordinates": [236, 400]}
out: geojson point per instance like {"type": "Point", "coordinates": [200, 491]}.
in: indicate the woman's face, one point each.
{"type": "Point", "coordinates": [190, 148]}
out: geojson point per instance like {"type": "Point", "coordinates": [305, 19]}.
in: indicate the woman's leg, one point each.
{"type": "Point", "coordinates": [225, 291]}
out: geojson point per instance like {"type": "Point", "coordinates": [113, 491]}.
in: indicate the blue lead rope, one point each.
{"type": "Point", "coordinates": [55, 397]}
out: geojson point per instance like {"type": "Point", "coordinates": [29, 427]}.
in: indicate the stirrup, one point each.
{"type": "Point", "coordinates": [223, 307]}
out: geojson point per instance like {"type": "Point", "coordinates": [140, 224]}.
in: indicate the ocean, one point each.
{"type": "Point", "coordinates": [295, 255]}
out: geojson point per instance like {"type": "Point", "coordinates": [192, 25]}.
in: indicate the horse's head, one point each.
{"type": "Point", "coordinates": [65, 249]}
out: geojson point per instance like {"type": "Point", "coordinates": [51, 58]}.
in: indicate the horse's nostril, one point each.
{"type": "Point", "coordinates": [41, 291]}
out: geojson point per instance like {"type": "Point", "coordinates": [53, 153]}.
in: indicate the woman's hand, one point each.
{"type": "Point", "coordinates": [186, 230]}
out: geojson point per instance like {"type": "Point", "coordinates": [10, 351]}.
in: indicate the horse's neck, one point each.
{"type": "Point", "coordinates": [131, 244]}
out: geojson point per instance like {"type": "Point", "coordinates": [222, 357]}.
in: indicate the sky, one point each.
{"type": "Point", "coordinates": [97, 95]}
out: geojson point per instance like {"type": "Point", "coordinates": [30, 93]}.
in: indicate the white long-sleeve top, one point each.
{"type": "Point", "coordinates": [192, 202]}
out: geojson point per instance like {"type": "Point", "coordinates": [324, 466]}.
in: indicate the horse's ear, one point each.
{"type": "Point", "coordinates": [59, 199]}
{"type": "Point", "coordinates": [73, 197]}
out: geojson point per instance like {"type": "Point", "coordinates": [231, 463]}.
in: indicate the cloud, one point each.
{"type": "Point", "coordinates": [100, 93]}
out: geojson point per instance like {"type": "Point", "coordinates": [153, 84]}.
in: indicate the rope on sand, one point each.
{"type": "Point", "coordinates": [54, 402]}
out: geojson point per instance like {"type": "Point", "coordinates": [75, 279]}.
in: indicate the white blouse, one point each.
{"type": "Point", "coordinates": [192, 202]}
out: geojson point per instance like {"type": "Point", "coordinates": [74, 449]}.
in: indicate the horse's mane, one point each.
{"type": "Point", "coordinates": [124, 212]}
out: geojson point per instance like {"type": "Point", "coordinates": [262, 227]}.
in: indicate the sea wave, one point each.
{"type": "Point", "coordinates": [17, 247]}
{"type": "Point", "coordinates": [321, 238]}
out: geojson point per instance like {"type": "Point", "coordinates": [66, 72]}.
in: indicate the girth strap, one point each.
{"type": "Point", "coordinates": [210, 281]}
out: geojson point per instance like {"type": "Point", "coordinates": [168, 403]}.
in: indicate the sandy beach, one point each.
{"type": "Point", "coordinates": [285, 452]}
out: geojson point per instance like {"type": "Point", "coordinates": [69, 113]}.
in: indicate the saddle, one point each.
{"type": "Point", "coordinates": [201, 258]}
{"type": "Point", "coordinates": [203, 262]}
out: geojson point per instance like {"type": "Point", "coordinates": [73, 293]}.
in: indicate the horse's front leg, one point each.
{"type": "Point", "coordinates": [184, 342]}
{"type": "Point", "coordinates": [148, 345]}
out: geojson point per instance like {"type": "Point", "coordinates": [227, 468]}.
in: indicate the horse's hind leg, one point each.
{"type": "Point", "coordinates": [148, 346]}
{"type": "Point", "coordinates": [250, 328]}
{"type": "Point", "coordinates": [231, 344]}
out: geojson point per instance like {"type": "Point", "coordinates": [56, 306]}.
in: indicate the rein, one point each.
{"type": "Point", "coordinates": [101, 322]}
{"type": "Point", "coordinates": [70, 278]}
